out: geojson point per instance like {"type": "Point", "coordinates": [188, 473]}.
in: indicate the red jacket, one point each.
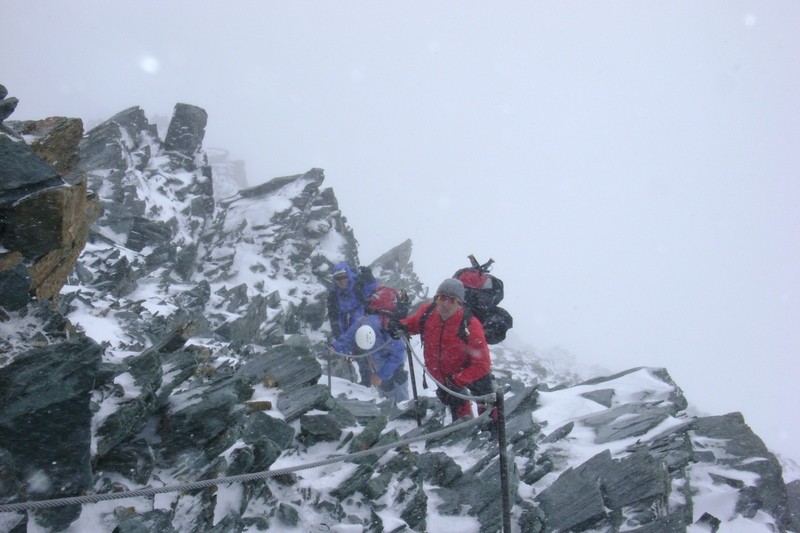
{"type": "Point", "coordinates": [446, 354]}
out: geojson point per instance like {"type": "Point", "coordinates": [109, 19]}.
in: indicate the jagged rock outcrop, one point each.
{"type": "Point", "coordinates": [657, 465]}
{"type": "Point", "coordinates": [35, 200]}
{"type": "Point", "coordinates": [199, 353]}
{"type": "Point", "coordinates": [186, 131]}
{"type": "Point", "coordinates": [395, 268]}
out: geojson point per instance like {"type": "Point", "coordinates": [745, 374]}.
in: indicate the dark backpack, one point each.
{"type": "Point", "coordinates": [482, 293]}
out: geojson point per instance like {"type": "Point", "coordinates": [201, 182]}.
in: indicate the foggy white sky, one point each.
{"type": "Point", "coordinates": [631, 166]}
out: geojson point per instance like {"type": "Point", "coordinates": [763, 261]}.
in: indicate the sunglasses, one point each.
{"type": "Point", "coordinates": [443, 298]}
{"type": "Point", "coordinates": [340, 277]}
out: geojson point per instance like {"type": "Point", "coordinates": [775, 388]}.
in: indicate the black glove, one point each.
{"type": "Point", "coordinates": [366, 274]}
{"type": "Point", "coordinates": [403, 303]}
{"type": "Point", "coordinates": [396, 329]}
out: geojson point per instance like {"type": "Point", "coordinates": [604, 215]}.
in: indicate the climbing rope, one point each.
{"type": "Point", "coordinates": [362, 354]}
{"type": "Point", "coordinates": [485, 398]}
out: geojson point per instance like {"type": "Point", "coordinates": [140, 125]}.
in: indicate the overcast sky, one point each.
{"type": "Point", "coordinates": [631, 166]}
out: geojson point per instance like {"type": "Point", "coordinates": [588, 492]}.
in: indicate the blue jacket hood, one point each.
{"type": "Point", "coordinates": [343, 266]}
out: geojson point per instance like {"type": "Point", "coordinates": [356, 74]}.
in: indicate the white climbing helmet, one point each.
{"type": "Point", "coordinates": [365, 337]}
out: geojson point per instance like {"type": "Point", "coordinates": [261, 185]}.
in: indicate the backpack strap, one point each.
{"type": "Point", "coordinates": [463, 328]}
{"type": "Point", "coordinates": [423, 319]}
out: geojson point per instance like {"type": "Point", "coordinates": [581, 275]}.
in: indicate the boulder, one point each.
{"type": "Point", "coordinates": [186, 130]}
{"type": "Point", "coordinates": [45, 423]}
{"type": "Point", "coordinates": [296, 402]}
{"type": "Point", "coordinates": [288, 366]}
{"type": "Point", "coordinates": [56, 141]}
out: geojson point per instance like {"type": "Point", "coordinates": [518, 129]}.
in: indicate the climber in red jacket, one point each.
{"type": "Point", "coordinates": [454, 347]}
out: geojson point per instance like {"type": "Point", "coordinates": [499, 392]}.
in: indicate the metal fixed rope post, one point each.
{"type": "Point", "coordinates": [501, 442]}
{"type": "Point", "coordinates": [330, 371]}
{"type": "Point", "coordinates": [413, 380]}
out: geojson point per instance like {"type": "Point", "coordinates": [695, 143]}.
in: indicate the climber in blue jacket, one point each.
{"type": "Point", "coordinates": [386, 357]}
{"type": "Point", "coordinates": [346, 300]}
{"type": "Point", "coordinates": [369, 340]}
{"type": "Point", "coordinates": [348, 295]}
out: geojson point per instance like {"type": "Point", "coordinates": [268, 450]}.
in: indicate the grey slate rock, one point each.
{"type": "Point", "coordinates": [294, 403]}
{"type": "Point", "coordinates": [240, 462]}
{"type": "Point", "coordinates": [439, 468]}
{"type": "Point", "coordinates": [369, 435]}
{"type": "Point", "coordinates": [186, 130]}
{"type": "Point", "coordinates": [793, 496]}
{"type": "Point", "coordinates": [147, 232]}
{"type": "Point", "coordinates": [290, 366]}
{"type": "Point", "coordinates": [673, 523]}
{"type": "Point", "coordinates": [132, 414]}
{"type": "Point", "coordinates": [265, 452]}
{"type": "Point", "coordinates": [559, 433]}
{"type": "Point", "coordinates": [7, 107]}
{"type": "Point", "coordinates": [634, 478]}
{"type": "Point", "coordinates": [14, 285]}
{"type": "Point", "coordinates": [38, 440]}
{"type": "Point", "coordinates": [246, 328]}
{"type": "Point", "coordinates": [318, 428]}
{"type": "Point", "coordinates": [202, 414]}
{"type": "Point", "coordinates": [354, 482]}
{"type": "Point", "coordinates": [22, 172]}
{"type": "Point", "coordinates": [628, 420]}
{"type": "Point", "coordinates": [343, 417]}
{"type": "Point", "coordinates": [9, 484]}
{"type": "Point", "coordinates": [673, 448]}
{"type": "Point", "coordinates": [482, 493]}
{"type": "Point", "coordinates": [132, 460]}
{"type": "Point", "coordinates": [363, 411]}
{"type": "Point", "coordinates": [601, 396]}
{"type": "Point", "coordinates": [258, 424]}
{"type": "Point", "coordinates": [288, 515]}
{"type": "Point", "coordinates": [709, 521]}
{"type": "Point", "coordinates": [574, 501]}
{"type": "Point", "coordinates": [415, 513]}
{"type": "Point", "coordinates": [741, 447]}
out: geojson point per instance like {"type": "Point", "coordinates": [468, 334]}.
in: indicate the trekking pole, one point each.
{"type": "Point", "coordinates": [501, 440]}
{"type": "Point", "coordinates": [413, 381]}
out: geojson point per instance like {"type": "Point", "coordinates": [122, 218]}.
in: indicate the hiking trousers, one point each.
{"type": "Point", "coordinates": [459, 407]}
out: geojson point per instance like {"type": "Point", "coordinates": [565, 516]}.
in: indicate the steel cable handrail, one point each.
{"type": "Point", "coordinates": [150, 491]}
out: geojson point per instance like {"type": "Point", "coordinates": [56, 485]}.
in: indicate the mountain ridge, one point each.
{"type": "Point", "coordinates": [201, 321]}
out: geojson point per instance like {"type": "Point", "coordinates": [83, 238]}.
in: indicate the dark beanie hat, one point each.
{"type": "Point", "coordinates": [452, 287]}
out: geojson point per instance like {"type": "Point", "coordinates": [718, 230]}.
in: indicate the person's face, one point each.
{"type": "Point", "coordinates": [341, 281]}
{"type": "Point", "coordinates": [446, 306]}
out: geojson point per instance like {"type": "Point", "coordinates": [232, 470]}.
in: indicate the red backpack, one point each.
{"type": "Point", "coordinates": [482, 293]}
{"type": "Point", "coordinates": [388, 301]}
